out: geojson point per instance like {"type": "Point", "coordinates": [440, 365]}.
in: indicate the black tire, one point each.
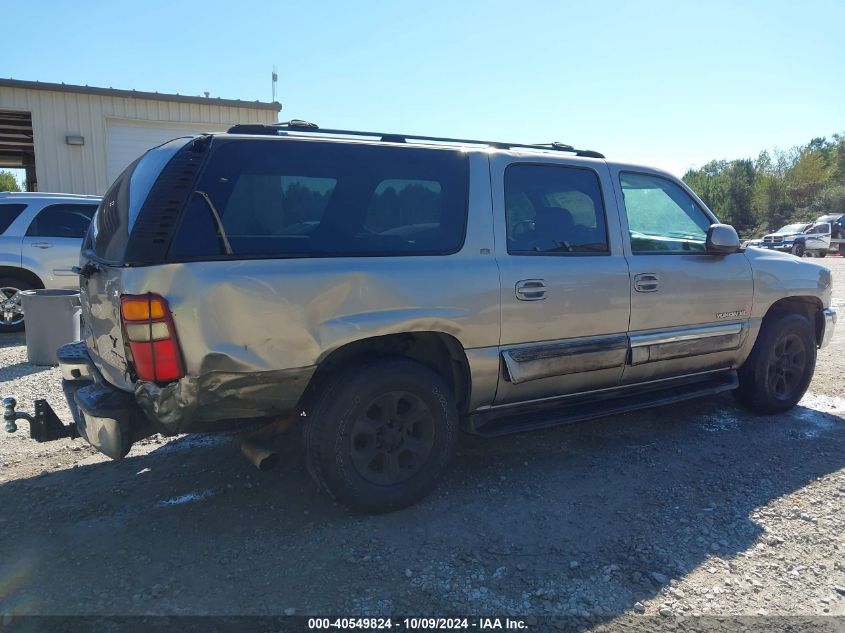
{"type": "Point", "coordinates": [780, 367]}
{"type": "Point", "coordinates": [821, 254]}
{"type": "Point", "coordinates": [798, 249]}
{"type": "Point", "coordinates": [8, 324]}
{"type": "Point", "coordinates": [357, 445]}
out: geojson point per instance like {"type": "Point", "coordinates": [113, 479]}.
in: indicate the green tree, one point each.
{"type": "Point", "coordinates": [8, 182]}
{"type": "Point", "coordinates": [728, 189]}
{"type": "Point", "coordinates": [830, 200]}
{"type": "Point", "coordinates": [776, 188]}
{"type": "Point", "coordinates": [807, 177]}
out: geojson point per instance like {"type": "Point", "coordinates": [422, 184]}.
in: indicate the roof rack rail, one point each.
{"type": "Point", "coordinates": [297, 125]}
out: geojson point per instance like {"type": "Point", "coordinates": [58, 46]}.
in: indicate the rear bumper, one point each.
{"type": "Point", "coordinates": [829, 316]}
{"type": "Point", "coordinates": [109, 419]}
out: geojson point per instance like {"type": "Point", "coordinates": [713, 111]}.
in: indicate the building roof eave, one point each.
{"type": "Point", "coordinates": [139, 94]}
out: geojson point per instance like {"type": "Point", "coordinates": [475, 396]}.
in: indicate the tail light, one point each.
{"type": "Point", "coordinates": [151, 335]}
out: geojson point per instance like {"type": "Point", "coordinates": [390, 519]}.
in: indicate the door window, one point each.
{"type": "Point", "coordinates": [662, 217]}
{"type": "Point", "coordinates": [554, 209]}
{"type": "Point", "coordinates": [819, 229]}
{"type": "Point", "coordinates": [8, 214]}
{"type": "Point", "coordinates": [62, 220]}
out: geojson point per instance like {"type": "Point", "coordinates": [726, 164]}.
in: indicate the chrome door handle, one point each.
{"type": "Point", "coordinates": [530, 289]}
{"type": "Point", "coordinates": [646, 282]}
{"type": "Point", "coordinates": [41, 245]}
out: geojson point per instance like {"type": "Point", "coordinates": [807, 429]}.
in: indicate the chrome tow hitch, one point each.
{"type": "Point", "coordinates": [44, 424]}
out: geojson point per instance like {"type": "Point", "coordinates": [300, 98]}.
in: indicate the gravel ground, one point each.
{"type": "Point", "coordinates": [691, 509]}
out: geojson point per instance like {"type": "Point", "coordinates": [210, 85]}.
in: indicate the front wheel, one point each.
{"type": "Point", "coordinates": [798, 250]}
{"type": "Point", "coordinates": [779, 369]}
{"type": "Point", "coordinates": [379, 436]}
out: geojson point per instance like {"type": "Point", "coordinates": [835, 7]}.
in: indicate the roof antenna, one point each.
{"type": "Point", "coordinates": [274, 78]}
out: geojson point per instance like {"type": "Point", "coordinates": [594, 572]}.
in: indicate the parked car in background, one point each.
{"type": "Point", "coordinates": [817, 239]}
{"type": "Point", "coordinates": [799, 239]}
{"type": "Point", "coordinates": [837, 224]}
{"type": "Point", "coordinates": [837, 232]}
{"type": "Point", "coordinates": [781, 240]}
{"type": "Point", "coordinates": [386, 291]}
{"type": "Point", "coordinates": [40, 237]}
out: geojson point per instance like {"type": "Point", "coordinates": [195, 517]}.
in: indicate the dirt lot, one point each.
{"type": "Point", "coordinates": [690, 509]}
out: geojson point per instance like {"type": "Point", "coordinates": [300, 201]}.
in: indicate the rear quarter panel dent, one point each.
{"type": "Point", "coordinates": [265, 315]}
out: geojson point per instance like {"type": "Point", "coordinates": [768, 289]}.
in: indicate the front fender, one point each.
{"type": "Point", "coordinates": [779, 276]}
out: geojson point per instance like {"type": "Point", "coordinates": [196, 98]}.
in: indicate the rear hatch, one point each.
{"type": "Point", "coordinates": [142, 204]}
{"type": "Point", "coordinates": [102, 331]}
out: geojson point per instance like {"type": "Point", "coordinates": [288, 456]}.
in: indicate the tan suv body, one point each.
{"type": "Point", "coordinates": [388, 291]}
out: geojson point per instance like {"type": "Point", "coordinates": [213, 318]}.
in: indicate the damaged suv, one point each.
{"type": "Point", "coordinates": [386, 292]}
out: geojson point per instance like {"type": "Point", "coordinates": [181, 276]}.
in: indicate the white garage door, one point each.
{"type": "Point", "coordinates": [127, 140]}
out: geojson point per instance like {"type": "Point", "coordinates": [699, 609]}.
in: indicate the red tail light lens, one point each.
{"type": "Point", "coordinates": [149, 330]}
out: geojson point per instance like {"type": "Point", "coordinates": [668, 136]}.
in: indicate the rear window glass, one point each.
{"type": "Point", "coordinates": [62, 220]}
{"type": "Point", "coordinates": [302, 198]}
{"type": "Point", "coordinates": [108, 229]}
{"type": "Point", "coordinates": [8, 214]}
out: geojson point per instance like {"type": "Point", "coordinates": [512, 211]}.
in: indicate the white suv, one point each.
{"type": "Point", "coordinates": [40, 237]}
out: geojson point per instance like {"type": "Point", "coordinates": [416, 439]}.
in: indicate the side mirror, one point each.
{"type": "Point", "coordinates": [722, 239]}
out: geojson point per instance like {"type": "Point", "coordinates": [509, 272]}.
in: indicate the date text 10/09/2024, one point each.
{"type": "Point", "coordinates": [417, 624]}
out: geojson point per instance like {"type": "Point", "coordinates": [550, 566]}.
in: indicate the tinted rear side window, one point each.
{"type": "Point", "coordinates": [62, 220]}
{"type": "Point", "coordinates": [303, 198]}
{"type": "Point", "coordinates": [8, 214]}
{"type": "Point", "coordinates": [554, 209]}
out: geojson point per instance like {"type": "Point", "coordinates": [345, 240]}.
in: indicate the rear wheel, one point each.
{"type": "Point", "coordinates": [798, 250]}
{"type": "Point", "coordinates": [779, 369]}
{"type": "Point", "coordinates": [11, 309]}
{"type": "Point", "coordinates": [379, 436]}
{"type": "Point", "coordinates": [821, 254]}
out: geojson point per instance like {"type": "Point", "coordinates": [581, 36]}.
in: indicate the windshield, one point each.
{"type": "Point", "coordinates": [791, 228]}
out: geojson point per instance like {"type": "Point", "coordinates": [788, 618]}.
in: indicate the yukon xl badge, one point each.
{"type": "Point", "coordinates": [731, 315]}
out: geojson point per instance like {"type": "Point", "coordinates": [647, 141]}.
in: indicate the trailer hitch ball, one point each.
{"type": "Point", "coordinates": [10, 415]}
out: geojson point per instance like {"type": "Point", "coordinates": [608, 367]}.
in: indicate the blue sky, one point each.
{"type": "Point", "coordinates": [671, 84]}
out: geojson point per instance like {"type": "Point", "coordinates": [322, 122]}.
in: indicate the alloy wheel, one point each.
{"type": "Point", "coordinates": [11, 307]}
{"type": "Point", "coordinates": [787, 365]}
{"type": "Point", "coordinates": [393, 438]}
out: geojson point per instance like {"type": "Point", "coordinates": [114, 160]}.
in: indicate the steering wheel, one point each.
{"type": "Point", "coordinates": [521, 228]}
{"type": "Point", "coordinates": [541, 245]}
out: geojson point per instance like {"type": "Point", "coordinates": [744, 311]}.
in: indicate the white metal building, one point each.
{"type": "Point", "coordinates": [77, 139]}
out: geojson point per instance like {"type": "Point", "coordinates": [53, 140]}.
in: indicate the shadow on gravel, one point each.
{"type": "Point", "coordinates": [19, 370]}
{"type": "Point", "coordinates": [589, 518]}
{"type": "Point", "coordinates": [12, 340]}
